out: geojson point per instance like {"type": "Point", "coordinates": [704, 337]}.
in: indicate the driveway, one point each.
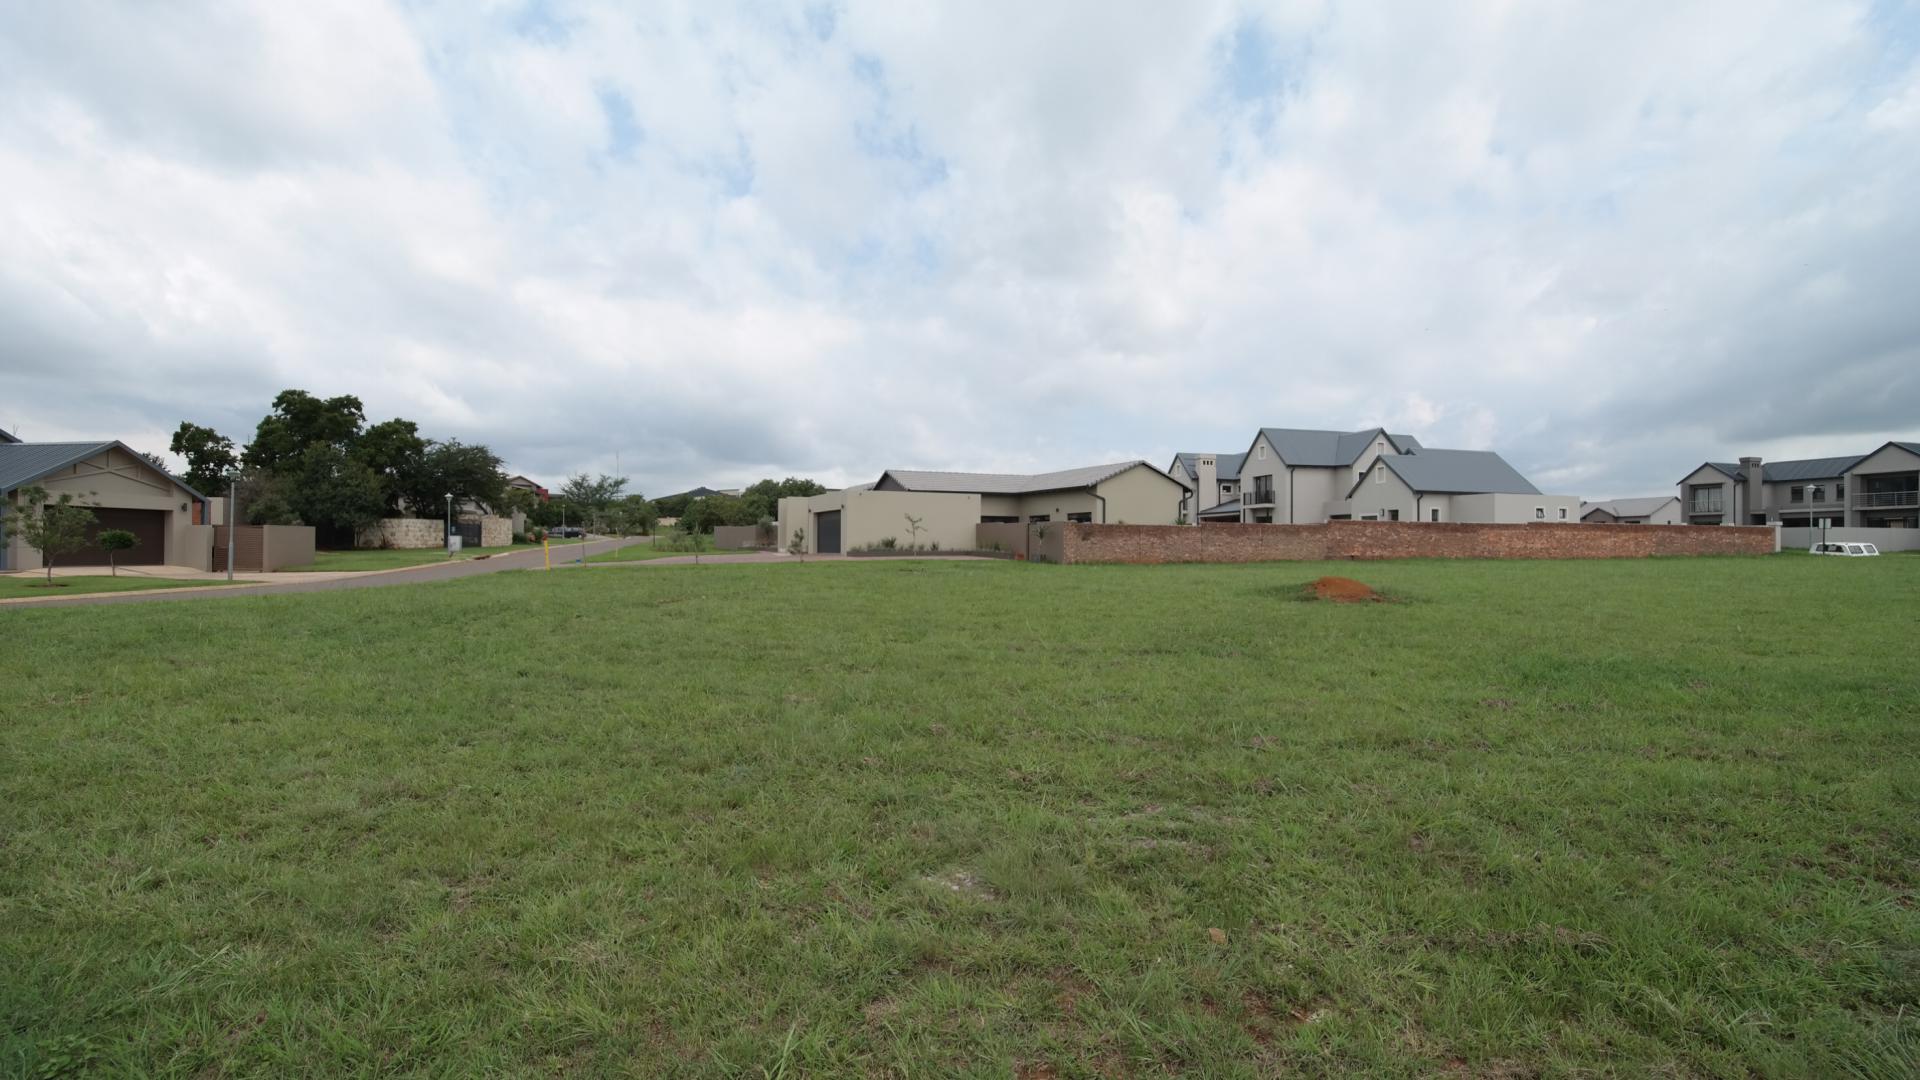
{"type": "Point", "coordinates": [563, 555]}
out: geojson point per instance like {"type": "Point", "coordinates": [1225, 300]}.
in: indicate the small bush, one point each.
{"type": "Point", "coordinates": [889, 543]}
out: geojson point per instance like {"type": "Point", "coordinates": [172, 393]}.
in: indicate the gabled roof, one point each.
{"type": "Point", "coordinates": [5, 437]}
{"type": "Point", "coordinates": [1774, 472]}
{"type": "Point", "coordinates": [1328, 449]}
{"type": "Point", "coordinates": [1008, 483]}
{"type": "Point", "coordinates": [1646, 507]}
{"type": "Point", "coordinates": [1226, 466]}
{"type": "Point", "coordinates": [22, 463]}
{"type": "Point", "coordinates": [1454, 472]}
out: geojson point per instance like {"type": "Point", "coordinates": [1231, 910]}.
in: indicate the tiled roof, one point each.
{"type": "Point", "coordinates": [1458, 472]}
{"type": "Point", "coordinates": [1646, 507]}
{"type": "Point", "coordinates": [23, 463]}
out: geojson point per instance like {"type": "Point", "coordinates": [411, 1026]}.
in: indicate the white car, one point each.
{"type": "Point", "coordinates": [1852, 550]}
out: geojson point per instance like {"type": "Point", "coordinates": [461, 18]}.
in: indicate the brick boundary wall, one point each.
{"type": "Point", "coordinates": [1403, 540]}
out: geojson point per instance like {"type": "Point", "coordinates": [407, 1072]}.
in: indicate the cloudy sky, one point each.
{"type": "Point", "coordinates": [724, 242]}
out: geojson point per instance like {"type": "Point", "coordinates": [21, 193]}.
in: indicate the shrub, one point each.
{"type": "Point", "coordinates": [116, 541]}
{"type": "Point", "coordinates": [889, 543]}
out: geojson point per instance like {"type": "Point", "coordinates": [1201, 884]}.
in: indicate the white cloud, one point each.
{"type": "Point", "coordinates": [1609, 241]}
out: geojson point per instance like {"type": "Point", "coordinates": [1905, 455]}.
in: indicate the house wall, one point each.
{"type": "Point", "coordinates": [1779, 498]}
{"type": "Point", "coordinates": [1000, 506]}
{"type": "Point", "coordinates": [870, 516]}
{"type": "Point", "coordinates": [1316, 494]}
{"type": "Point", "coordinates": [1257, 466]}
{"type": "Point", "coordinates": [285, 545]}
{"type": "Point", "coordinates": [1141, 496]}
{"type": "Point", "coordinates": [120, 480]}
{"type": "Point", "coordinates": [1732, 497]}
{"type": "Point", "coordinates": [1887, 459]}
{"type": "Point", "coordinates": [1379, 493]}
{"type": "Point", "coordinates": [1504, 509]}
{"type": "Point", "coordinates": [1401, 540]}
{"type": "Point", "coordinates": [1056, 505]}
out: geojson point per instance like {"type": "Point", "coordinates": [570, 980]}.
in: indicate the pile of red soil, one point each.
{"type": "Point", "coordinates": [1343, 590]}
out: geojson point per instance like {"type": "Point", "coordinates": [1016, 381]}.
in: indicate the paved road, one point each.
{"type": "Point", "coordinates": [291, 583]}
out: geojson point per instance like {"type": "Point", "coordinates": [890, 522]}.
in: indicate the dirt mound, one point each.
{"type": "Point", "coordinates": [1343, 590]}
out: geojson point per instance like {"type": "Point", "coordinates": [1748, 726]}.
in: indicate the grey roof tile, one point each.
{"type": "Point", "coordinates": [1643, 507]}
{"type": "Point", "coordinates": [1009, 483]}
{"type": "Point", "coordinates": [22, 463]}
{"type": "Point", "coordinates": [1458, 472]}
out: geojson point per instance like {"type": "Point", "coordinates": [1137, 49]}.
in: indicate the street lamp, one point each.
{"type": "Point", "coordinates": [449, 536]}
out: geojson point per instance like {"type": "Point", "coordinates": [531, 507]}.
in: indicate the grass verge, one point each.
{"type": "Point", "coordinates": [23, 586]}
{"type": "Point", "coordinates": [933, 818]}
{"type": "Point", "coordinates": [392, 559]}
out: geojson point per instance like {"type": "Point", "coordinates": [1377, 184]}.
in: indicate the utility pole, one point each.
{"type": "Point", "coordinates": [233, 505]}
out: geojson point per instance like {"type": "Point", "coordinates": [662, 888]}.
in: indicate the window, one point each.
{"type": "Point", "coordinates": [993, 519]}
{"type": "Point", "coordinates": [1260, 451]}
{"type": "Point", "coordinates": [1818, 493]}
{"type": "Point", "coordinates": [1563, 513]}
{"type": "Point", "coordinates": [1226, 492]}
{"type": "Point", "coordinates": [1796, 493]}
{"type": "Point", "coordinates": [1083, 518]}
{"type": "Point", "coordinates": [1379, 475]}
{"type": "Point", "coordinates": [1393, 515]}
{"type": "Point", "coordinates": [1539, 513]}
{"type": "Point", "coordinates": [1840, 492]}
{"type": "Point", "coordinates": [1369, 517]}
{"type": "Point", "coordinates": [1436, 514]}
{"type": "Point", "coordinates": [1036, 518]}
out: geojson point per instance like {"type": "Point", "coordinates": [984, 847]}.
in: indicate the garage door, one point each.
{"type": "Point", "coordinates": [149, 525]}
{"type": "Point", "coordinates": [827, 525]}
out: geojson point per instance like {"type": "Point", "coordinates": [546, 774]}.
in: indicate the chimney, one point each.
{"type": "Point", "coordinates": [1756, 502]}
{"type": "Point", "coordinates": [1206, 485]}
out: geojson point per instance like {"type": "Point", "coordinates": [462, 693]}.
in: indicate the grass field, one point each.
{"type": "Point", "coordinates": [393, 558]}
{"type": "Point", "coordinates": [974, 818]}
{"type": "Point", "coordinates": [16, 586]}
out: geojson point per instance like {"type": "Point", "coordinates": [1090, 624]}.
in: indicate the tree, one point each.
{"type": "Point", "coordinates": [704, 513]}
{"type": "Point", "coordinates": [593, 496]}
{"type": "Point", "coordinates": [53, 527]}
{"type": "Point", "coordinates": [797, 544]}
{"type": "Point", "coordinates": [915, 528]}
{"type": "Point", "coordinates": [211, 461]}
{"type": "Point", "coordinates": [395, 450]}
{"type": "Point", "coordinates": [298, 421]}
{"type": "Point", "coordinates": [764, 497]}
{"type": "Point", "coordinates": [468, 471]}
{"type": "Point", "coordinates": [156, 461]}
{"type": "Point", "coordinates": [633, 514]}
{"type": "Point", "coordinates": [116, 541]}
{"type": "Point", "coordinates": [330, 489]}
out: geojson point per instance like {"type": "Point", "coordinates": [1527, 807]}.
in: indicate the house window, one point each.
{"type": "Point", "coordinates": [1226, 492]}
{"type": "Point", "coordinates": [1379, 476]}
{"type": "Point", "coordinates": [1563, 513]}
{"type": "Point", "coordinates": [1539, 513]}
{"type": "Point", "coordinates": [1796, 493]}
{"type": "Point", "coordinates": [1260, 451]}
{"type": "Point", "coordinates": [1393, 515]}
{"type": "Point", "coordinates": [1436, 514]}
{"type": "Point", "coordinates": [1037, 518]}
{"type": "Point", "coordinates": [1083, 518]}
{"type": "Point", "coordinates": [1840, 492]}
{"type": "Point", "coordinates": [1818, 494]}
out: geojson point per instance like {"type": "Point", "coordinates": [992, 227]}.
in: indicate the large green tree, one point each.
{"type": "Point", "coordinates": [394, 450]}
{"type": "Point", "coordinates": [594, 496]}
{"type": "Point", "coordinates": [212, 462]}
{"type": "Point", "coordinates": [298, 421]}
{"type": "Point", "coordinates": [764, 497]}
{"type": "Point", "coordinates": [467, 471]}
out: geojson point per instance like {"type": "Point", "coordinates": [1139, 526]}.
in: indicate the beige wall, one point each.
{"type": "Point", "coordinates": [1141, 496]}
{"type": "Point", "coordinates": [868, 517]}
{"type": "Point", "coordinates": [1000, 506]}
{"type": "Point", "coordinates": [120, 480]}
{"type": "Point", "coordinates": [1315, 494]}
{"type": "Point", "coordinates": [1501, 509]}
{"type": "Point", "coordinates": [285, 545]}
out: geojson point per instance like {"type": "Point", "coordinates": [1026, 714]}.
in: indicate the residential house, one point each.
{"type": "Point", "coordinates": [124, 491]}
{"type": "Point", "coordinates": [521, 483]}
{"type": "Point", "coordinates": [1884, 487]}
{"type": "Point", "coordinates": [1214, 481]}
{"type": "Point", "coordinates": [926, 507]}
{"type": "Point", "coordinates": [1303, 476]}
{"type": "Point", "coordinates": [1653, 510]}
{"type": "Point", "coordinates": [1452, 485]}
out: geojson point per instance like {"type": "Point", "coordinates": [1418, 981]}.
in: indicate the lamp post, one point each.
{"type": "Point", "coordinates": [449, 536]}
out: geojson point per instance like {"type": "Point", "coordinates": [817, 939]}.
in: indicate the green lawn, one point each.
{"type": "Point", "coordinates": [13, 586]}
{"type": "Point", "coordinates": [390, 559]}
{"type": "Point", "coordinates": [643, 550]}
{"type": "Point", "coordinates": [974, 818]}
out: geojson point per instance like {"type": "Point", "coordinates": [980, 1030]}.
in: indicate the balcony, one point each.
{"type": "Point", "coordinates": [1885, 500]}
{"type": "Point", "coordinates": [1257, 497]}
{"type": "Point", "coordinates": [1707, 506]}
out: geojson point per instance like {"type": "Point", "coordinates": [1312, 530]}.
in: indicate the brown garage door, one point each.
{"type": "Point", "coordinates": [149, 525]}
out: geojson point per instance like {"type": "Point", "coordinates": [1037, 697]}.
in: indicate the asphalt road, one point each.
{"type": "Point", "coordinates": [563, 554]}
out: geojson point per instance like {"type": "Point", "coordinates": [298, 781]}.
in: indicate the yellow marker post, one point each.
{"type": "Point", "coordinates": [546, 552]}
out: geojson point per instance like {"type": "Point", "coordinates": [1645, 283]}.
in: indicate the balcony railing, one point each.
{"type": "Point", "coordinates": [1707, 506]}
{"type": "Point", "coordinates": [1883, 499]}
{"type": "Point", "coordinates": [1257, 497]}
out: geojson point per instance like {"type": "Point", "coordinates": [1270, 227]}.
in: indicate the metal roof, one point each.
{"type": "Point", "coordinates": [1226, 466]}
{"type": "Point", "coordinates": [1328, 449]}
{"type": "Point", "coordinates": [1232, 507]}
{"type": "Point", "coordinates": [1008, 483]}
{"type": "Point", "coordinates": [1909, 447]}
{"type": "Point", "coordinates": [1459, 472]}
{"type": "Point", "coordinates": [23, 463]}
{"type": "Point", "coordinates": [1646, 507]}
{"type": "Point", "coordinates": [1807, 469]}
{"type": "Point", "coordinates": [6, 437]}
